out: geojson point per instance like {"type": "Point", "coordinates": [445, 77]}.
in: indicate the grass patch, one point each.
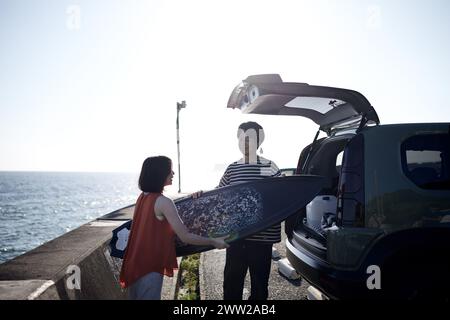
{"type": "Point", "coordinates": [189, 286]}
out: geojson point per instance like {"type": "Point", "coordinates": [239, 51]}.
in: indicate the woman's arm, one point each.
{"type": "Point", "coordinates": [166, 206]}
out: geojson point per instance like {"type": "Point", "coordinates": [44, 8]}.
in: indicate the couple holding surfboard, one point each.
{"type": "Point", "coordinates": [150, 252]}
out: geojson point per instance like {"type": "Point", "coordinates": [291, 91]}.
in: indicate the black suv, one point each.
{"type": "Point", "coordinates": [382, 229]}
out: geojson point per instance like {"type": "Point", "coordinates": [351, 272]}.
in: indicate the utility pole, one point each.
{"type": "Point", "coordinates": [179, 107]}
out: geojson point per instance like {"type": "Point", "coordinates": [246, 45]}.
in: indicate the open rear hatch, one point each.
{"type": "Point", "coordinates": [332, 109]}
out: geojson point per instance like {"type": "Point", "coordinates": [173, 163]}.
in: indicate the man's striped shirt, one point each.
{"type": "Point", "coordinates": [239, 172]}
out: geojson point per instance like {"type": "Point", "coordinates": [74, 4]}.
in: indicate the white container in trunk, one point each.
{"type": "Point", "coordinates": [318, 207]}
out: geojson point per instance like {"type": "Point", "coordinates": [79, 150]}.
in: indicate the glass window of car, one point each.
{"type": "Point", "coordinates": [426, 160]}
{"type": "Point", "coordinates": [321, 105]}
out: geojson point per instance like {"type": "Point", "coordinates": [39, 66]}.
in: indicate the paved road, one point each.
{"type": "Point", "coordinates": [211, 278]}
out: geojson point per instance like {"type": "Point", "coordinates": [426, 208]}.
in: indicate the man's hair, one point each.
{"type": "Point", "coordinates": [154, 173]}
{"type": "Point", "coordinates": [246, 126]}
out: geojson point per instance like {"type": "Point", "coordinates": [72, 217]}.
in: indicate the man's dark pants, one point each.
{"type": "Point", "coordinates": [241, 256]}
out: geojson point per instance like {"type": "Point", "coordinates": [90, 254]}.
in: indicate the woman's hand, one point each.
{"type": "Point", "coordinates": [219, 242]}
{"type": "Point", "coordinates": [197, 194]}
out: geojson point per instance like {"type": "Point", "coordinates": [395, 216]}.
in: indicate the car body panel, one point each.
{"type": "Point", "coordinates": [392, 201]}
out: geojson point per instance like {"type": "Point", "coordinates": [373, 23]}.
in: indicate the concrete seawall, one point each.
{"type": "Point", "coordinates": [50, 271]}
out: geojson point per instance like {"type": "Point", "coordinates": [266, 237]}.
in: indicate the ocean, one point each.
{"type": "Point", "coordinates": [36, 207]}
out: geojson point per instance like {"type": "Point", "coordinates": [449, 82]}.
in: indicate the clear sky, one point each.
{"type": "Point", "coordinates": [92, 85]}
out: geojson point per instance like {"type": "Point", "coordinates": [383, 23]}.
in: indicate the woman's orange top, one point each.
{"type": "Point", "coordinates": [151, 243]}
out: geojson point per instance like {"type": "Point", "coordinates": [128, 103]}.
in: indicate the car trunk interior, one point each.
{"type": "Point", "coordinates": [309, 226]}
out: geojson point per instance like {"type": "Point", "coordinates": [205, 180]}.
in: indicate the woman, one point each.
{"type": "Point", "coordinates": [150, 252]}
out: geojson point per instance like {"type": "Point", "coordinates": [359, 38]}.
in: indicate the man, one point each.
{"type": "Point", "coordinates": [255, 252]}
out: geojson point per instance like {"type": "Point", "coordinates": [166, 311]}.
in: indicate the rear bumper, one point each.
{"type": "Point", "coordinates": [413, 264]}
{"type": "Point", "coordinates": [335, 284]}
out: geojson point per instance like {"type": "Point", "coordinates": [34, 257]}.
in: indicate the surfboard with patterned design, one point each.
{"type": "Point", "coordinates": [239, 210]}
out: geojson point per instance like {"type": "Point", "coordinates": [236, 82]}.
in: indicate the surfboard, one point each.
{"type": "Point", "coordinates": [239, 210]}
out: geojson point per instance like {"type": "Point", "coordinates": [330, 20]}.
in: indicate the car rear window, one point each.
{"type": "Point", "coordinates": [426, 160]}
{"type": "Point", "coordinates": [321, 105]}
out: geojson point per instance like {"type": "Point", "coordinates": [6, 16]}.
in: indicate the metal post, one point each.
{"type": "Point", "coordinates": [179, 107]}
